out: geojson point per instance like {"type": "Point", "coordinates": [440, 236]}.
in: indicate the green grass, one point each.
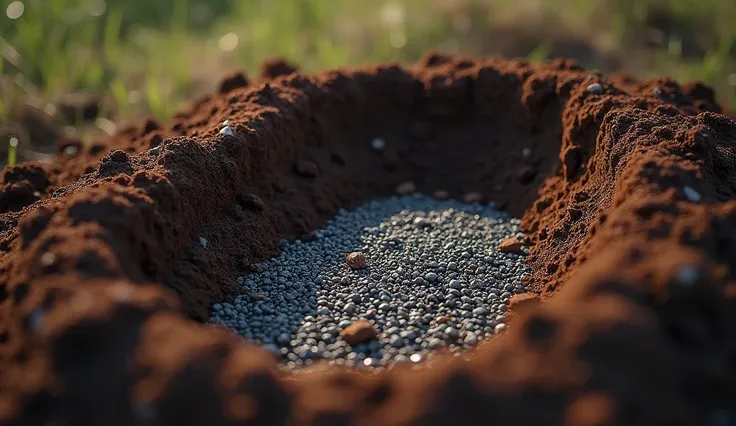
{"type": "Point", "coordinates": [148, 57]}
{"type": "Point", "coordinates": [12, 151]}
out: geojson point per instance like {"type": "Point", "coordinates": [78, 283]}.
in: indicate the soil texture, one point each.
{"type": "Point", "coordinates": [627, 198]}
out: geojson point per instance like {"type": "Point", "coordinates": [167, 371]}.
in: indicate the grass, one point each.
{"type": "Point", "coordinates": [148, 57]}
{"type": "Point", "coordinates": [12, 151]}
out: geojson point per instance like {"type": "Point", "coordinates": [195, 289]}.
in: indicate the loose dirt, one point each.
{"type": "Point", "coordinates": [103, 276]}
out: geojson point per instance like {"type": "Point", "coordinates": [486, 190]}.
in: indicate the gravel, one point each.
{"type": "Point", "coordinates": [434, 278]}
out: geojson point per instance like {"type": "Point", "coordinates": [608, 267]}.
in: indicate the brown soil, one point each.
{"type": "Point", "coordinates": [104, 277]}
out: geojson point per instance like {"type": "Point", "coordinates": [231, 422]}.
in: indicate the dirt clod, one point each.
{"type": "Point", "coordinates": [356, 260]}
{"type": "Point", "coordinates": [510, 245]}
{"type": "Point", "coordinates": [524, 302]}
{"type": "Point", "coordinates": [360, 331]}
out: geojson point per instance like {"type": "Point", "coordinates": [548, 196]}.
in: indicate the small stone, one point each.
{"type": "Point", "coordinates": [510, 245]}
{"type": "Point", "coordinates": [415, 357]}
{"type": "Point", "coordinates": [435, 343]}
{"type": "Point", "coordinates": [48, 259]}
{"type": "Point", "coordinates": [227, 131]}
{"type": "Point", "coordinates": [441, 195]}
{"type": "Point", "coordinates": [203, 241]}
{"type": "Point", "coordinates": [430, 276]}
{"type": "Point", "coordinates": [470, 339]}
{"type": "Point", "coordinates": [401, 359]}
{"type": "Point", "coordinates": [595, 88]}
{"type": "Point", "coordinates": [360, 331]}
{"type": "Point", "coordinates": [71, 150]}
{"type": "Point", "coordinates": [526, 152]}
{"type": "Point", "coordinates": [452, 332]}
{"type": "Point", "coordinates": [480, 311]}
{"type": "Point", "coordinates": [692, 194]}
{"type": "Point", "coordinates": [378, 144]}
{"type": "Point", "coordinates": [356, 260]}
{"type": "Point", "coordinates": [421, 222]}
{"type": "Point", "coordinates": [499, 328]}
{"type": "Point", "coordinates": [306, 169]}
{"type": "Point", "coordinates": [406, 188]}
{"type": "Point", "coordinates": [443, 319]}
{"type": "Point", "coordinates": [473, 197]}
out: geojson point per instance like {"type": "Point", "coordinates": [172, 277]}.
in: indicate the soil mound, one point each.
{"type": "Point", "coordinates": [627, 196]}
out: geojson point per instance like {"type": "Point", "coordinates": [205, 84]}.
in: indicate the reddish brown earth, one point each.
{"type": "Point", "coordinates": [103, 277]}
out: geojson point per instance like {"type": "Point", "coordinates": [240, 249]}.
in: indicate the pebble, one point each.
{"type": "Point", "coordinates": [436, 279]}
{"type": "Point", "coordinates": [692, 194]}
{"type": "Point", "coordinates": [48, 259]}
{"type": "Point", "coordinates": [378, 144]}
{"type": "Point", "coordinates": [356, 260]}
{"type": "Point", "coordinates": [359, 332]}
{"type": "Point", "coordinates": [595, 88]}
{"type": "Point", "coordinates": [227, 131]}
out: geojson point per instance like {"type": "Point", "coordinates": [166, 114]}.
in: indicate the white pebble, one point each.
{"type": "Point", "coordinates": [47, 259]}
{"type": "Point", "coordinates": [227, 131]}
{"type": "Point", "coordinates": [378, 144]}
{"type": "Point", "coordinates": [71, 150]}
{"type": "Point", "coordinates": [499, 328]}
{"type": "Point", "coordinates": [203, 241]}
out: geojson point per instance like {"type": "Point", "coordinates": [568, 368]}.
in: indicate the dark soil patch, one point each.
{"type": "Point", "coordinates": [103, 271]}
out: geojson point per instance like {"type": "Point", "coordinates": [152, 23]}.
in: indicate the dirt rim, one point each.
{"type": "Point", "coordinates": [104, 276]}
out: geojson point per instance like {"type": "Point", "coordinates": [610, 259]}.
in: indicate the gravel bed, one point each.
{"type": "Point", "coordinates": [434, 278]}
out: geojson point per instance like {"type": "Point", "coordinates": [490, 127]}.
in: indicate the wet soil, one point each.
{"type": "Point", "coordinates": [104, 281]}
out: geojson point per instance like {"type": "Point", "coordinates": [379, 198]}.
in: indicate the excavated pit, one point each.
{"type": "Point", "coordinates": [626, 195]}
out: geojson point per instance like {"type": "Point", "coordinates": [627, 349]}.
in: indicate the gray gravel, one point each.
{"type": "Point", "coordinates": [434, 279]}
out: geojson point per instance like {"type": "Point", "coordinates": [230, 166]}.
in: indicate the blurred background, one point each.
{"type": "Point", "coordinates": [85, 67]}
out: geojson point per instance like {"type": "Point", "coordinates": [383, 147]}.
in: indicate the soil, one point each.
{"type": "Point", "coordinates": [104, 279]}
